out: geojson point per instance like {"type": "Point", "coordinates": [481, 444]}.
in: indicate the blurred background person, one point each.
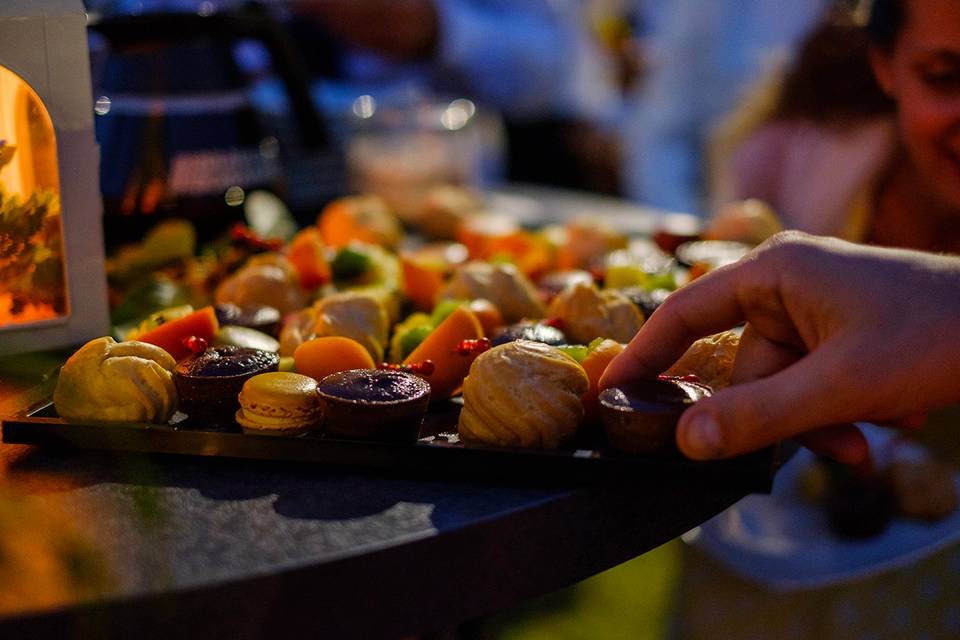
{"type": "Point", "coordinates": [533, 62]}
{"type": "Point", "coordinates": [702, 57]}
{"type": "Point", "coordinates": [859, 139]}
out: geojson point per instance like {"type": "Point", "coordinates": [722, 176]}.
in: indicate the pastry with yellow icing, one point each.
{"type": "Point", "coordinates": [109, 381]}
{"type": "Point", "coordinates": [523, 394]}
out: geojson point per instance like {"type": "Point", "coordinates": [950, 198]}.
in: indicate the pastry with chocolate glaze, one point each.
{"type": "Point", "coordinates": [373, 404]}
{"type": "Point", "coordinates": [209, 382]}
{"type": "Point", "coordinates": [641, 417]}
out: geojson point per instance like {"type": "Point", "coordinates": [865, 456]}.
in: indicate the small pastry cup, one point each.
{"type": "Point", "coordinates": [210, 401]}
{"type": "Point", "coordinates": [641, 418]}
{"type": "Point", "coordinates": [370, 404]}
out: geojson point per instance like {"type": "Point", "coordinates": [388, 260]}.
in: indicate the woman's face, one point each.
{"type": "Point", "coordinates": [922, 74]}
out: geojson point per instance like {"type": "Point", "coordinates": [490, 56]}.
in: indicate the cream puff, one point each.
{"type": "Point", "coordinates": [266, 280]}
{"type": "Point", "coordinates": [523, 394]}
{"type": "Point", "coordinates": [588, 313]}
{"type": "Point", "coordinates": [109, 381]}
{"type": "Point", "coordinates": [502, 284]}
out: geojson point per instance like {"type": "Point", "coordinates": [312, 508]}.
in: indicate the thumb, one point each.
{"type": "Point", "coordinates": [742, 418]}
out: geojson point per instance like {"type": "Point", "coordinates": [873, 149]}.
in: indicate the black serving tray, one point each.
{"type": "Point", "coordinates": [438, 451]}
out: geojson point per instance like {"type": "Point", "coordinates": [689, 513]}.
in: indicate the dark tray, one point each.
{"type": "Point", "coordinates": [438, 451]}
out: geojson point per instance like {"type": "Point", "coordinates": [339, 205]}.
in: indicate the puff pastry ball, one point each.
{"type": "Point", "coordinates": [588, 313]}
{"type": "Point", "coordinates": [502, 284]}
{"type": "Point", "coordinates": [710, 359]}
{"type": "Point", "coordinates": [109, 381]}
{"type": "Point", "coordinates": [523, 394]}
{"type": "Point", "coordinates": [265, 280]}
{"type": "Point", "coordinates": [359, 316]}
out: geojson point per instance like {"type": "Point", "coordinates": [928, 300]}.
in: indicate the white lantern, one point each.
{"type": "Point", "coordinates": [52, 279]}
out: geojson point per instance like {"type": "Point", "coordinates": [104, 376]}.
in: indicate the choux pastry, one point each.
{"type": "Point", "coordinates": [109, 381]}
{"type": "Point", "coordinates": [523, 394]}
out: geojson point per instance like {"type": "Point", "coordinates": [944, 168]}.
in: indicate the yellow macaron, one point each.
{"type": "Point", "coordinates": [279, 403]}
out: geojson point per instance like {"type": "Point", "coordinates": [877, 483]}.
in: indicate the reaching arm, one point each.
{"type": "Point", "coordinates": [836, 333]}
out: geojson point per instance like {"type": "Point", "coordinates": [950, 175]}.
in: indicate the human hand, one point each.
{"type": "Point", "coordinates": [836, 333]}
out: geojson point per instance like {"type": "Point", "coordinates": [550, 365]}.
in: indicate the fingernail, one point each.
{"type": "Point", "coordinates": [703, 438]}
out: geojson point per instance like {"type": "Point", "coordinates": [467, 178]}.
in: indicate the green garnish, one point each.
{"type": "Point", "coordinates": [411, 339]}
{"type": "Point", "coordinates": [664, 280]}
{"type": "Point", "coordinates": [576, 351]}
{"type": "Point", "coordinates": [443, 309]}
{"type": "Point", "coordinates": [350, 263]}
{"type": "Point", "coordinates": [596, 342]}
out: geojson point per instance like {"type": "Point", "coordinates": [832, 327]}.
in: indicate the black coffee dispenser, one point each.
{"type": "Point", "coordinates": [178, 133]}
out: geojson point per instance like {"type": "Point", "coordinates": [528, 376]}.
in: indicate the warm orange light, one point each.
{"type": "Point", "coordinates": [32, 286]}
{"type": "Point", "coordinates": [29, 313]}
{"type": "Point", "coordinates": [26, 125]}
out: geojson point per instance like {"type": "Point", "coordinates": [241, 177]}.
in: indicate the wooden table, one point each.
{"type": "Point", "coordinates": [213, 548]}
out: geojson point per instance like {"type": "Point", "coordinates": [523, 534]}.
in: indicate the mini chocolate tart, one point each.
{"type": "Point", "coordinates": [259, 317]}
{"type": "Point", "coordinates": [373, 404]}
{"type": "Point", "coordinates": [641, 417]}
{"type": "Point", "coordinates": [209, 382]}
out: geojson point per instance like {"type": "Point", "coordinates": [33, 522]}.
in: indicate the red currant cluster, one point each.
{"type": "Point", "coordinates": [243, 234]}
{"type": "Point", "coordinates": [424, 368]}
{"type": "Point", "coordinates": [195, 344]}
{"type": "Point", "coordinates": [472, 347]}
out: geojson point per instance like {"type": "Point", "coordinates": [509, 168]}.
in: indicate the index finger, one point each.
{"type": "Point", "coordinates": [707, 305]}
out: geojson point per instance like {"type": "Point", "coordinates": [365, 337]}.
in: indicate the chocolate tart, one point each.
{"type": "Point", "coordinates": [373, 404]}
{"type": "Point", "coordinates": [208, 383]}
{"type": "Point", "coordinates": [260, 317]}
{"type": "Point", "coordinates": [641, 417]}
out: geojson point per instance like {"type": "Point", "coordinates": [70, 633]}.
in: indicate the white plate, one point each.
{"type": "Point", "coordinates": [785, 543]}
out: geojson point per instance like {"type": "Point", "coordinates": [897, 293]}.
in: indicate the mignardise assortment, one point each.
{"type": "Point", "coordinates": [350, 329]}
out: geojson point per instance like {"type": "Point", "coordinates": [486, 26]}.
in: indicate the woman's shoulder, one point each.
{"type": "Point", "coordinates": [812, 173]}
